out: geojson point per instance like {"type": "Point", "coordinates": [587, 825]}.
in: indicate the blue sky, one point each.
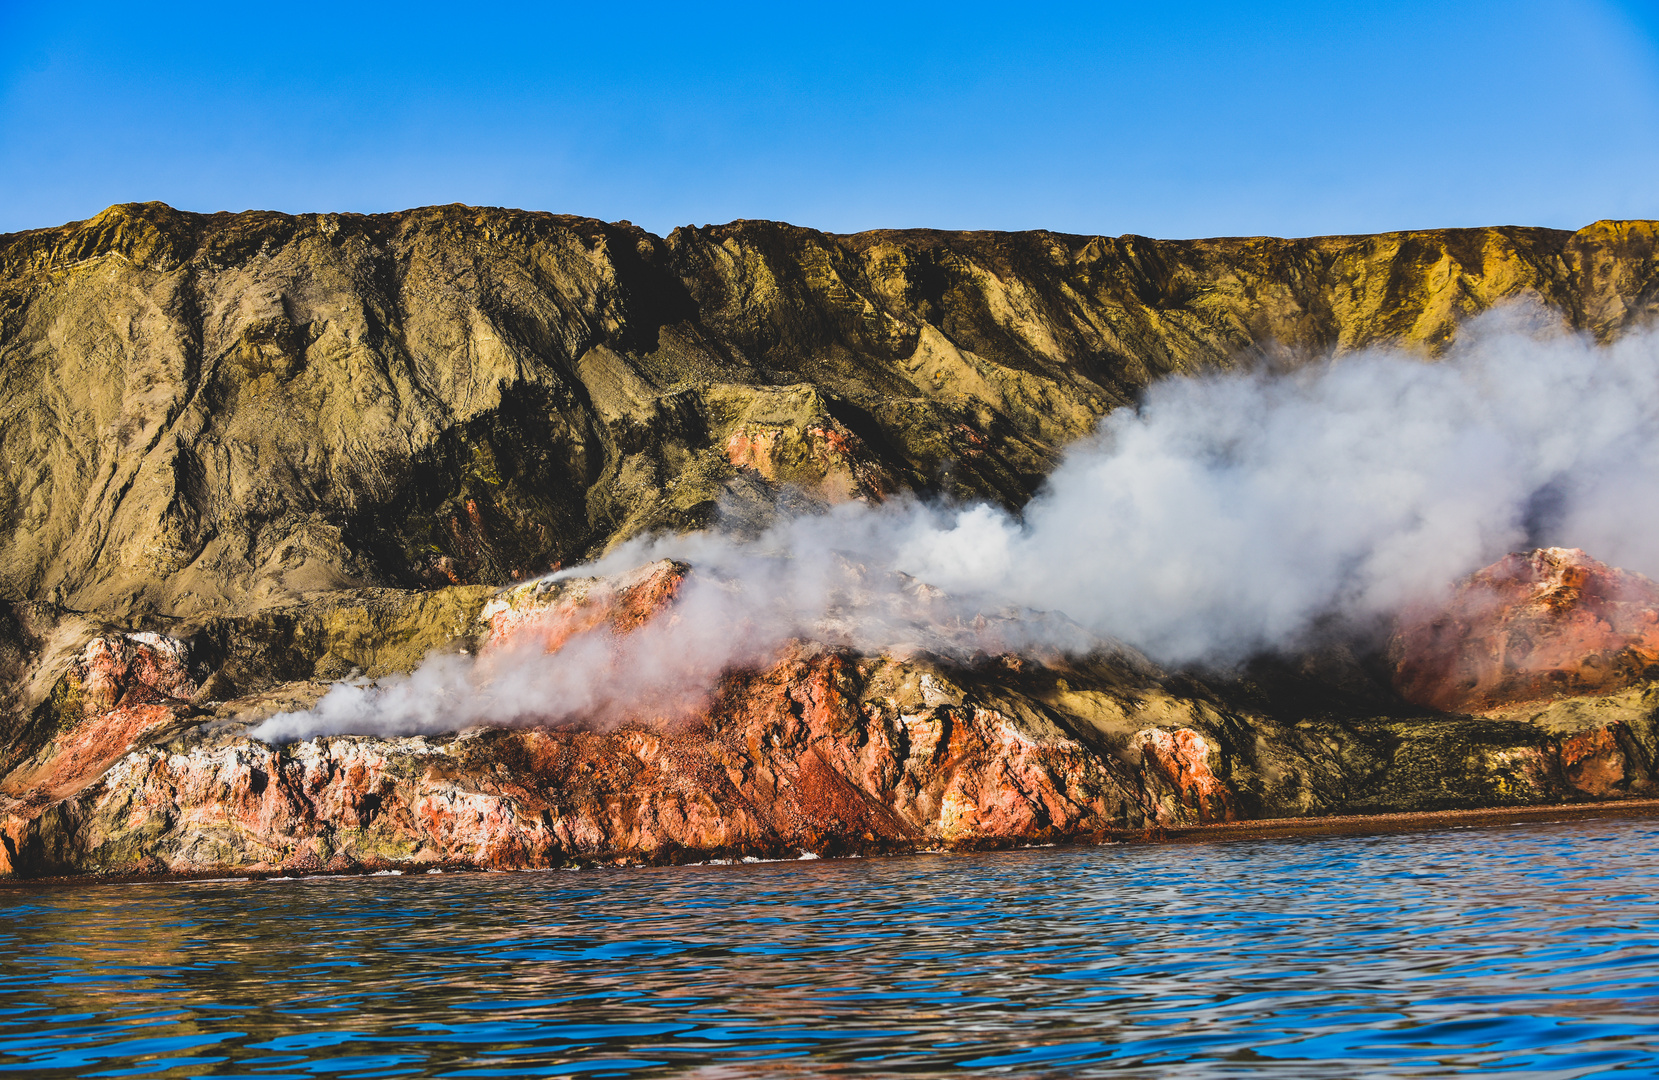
{"type": "Point", "coordinates": [1178, 119]}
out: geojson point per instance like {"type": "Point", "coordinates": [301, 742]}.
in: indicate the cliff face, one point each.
{"type": "Point", "coordinates": [216, 413]}
{"type": "Point", "coordinates": [245, 456]}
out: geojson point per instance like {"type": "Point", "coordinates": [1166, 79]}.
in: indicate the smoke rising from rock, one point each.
{"type": "Point", "coordinates": [1224, 516]}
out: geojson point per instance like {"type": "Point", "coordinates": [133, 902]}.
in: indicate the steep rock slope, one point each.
{"type": "Point", "coordinates": [215, 413]}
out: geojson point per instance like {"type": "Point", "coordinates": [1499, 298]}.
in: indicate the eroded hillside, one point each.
{"type": "Point", "coordinates": [220, 413]}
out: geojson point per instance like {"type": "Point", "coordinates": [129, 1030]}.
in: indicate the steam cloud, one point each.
{"type": "Point", "coordinates": [1223, 517]}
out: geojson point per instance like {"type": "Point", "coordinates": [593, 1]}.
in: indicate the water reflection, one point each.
{"type": "Point", "coordinates": [1532, 949]}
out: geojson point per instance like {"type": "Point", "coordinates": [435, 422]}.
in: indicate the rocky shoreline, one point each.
{"type": "Point", "coordinates": [823, 751]}
{"type": "Point", "coordinates": [1215, 832]}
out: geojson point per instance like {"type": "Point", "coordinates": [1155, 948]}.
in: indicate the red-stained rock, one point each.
{"type": "Point", "coordinates": [133, 669]}
{"type": "Point", "coordinates": [819, 750]}
{"type": "Point", "coordinates": [1181, 757]}
{"type": "Point", "coordinates": [1595, 763]}
{"type": "Point", "coordinates": [825, 458]}
{"type": "Point", "coordinates": [806, 756]}
{"type": "Point", "coordinates": [119, 690]}
{"type": "Point", "coordinates": [552, 611]}
{"type": "Point", "coordinates": [1532, 626]}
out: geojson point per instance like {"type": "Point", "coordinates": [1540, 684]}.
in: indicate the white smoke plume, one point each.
{"type": "Point", "coordinates": [1223, 517]}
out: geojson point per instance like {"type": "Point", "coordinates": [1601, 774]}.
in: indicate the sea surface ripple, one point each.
{"type": "Point", "coordinates": [1531, 950]}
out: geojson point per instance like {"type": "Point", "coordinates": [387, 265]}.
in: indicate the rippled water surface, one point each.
{"type": "Point", "coordinates": [1528, 949]}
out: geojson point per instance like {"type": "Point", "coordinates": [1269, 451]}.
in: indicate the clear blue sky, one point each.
{"type": "Point", "coordinates": [1177, 119]}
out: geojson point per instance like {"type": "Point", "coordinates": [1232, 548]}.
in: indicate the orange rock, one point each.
{"type": "Point", "coordinates": [132, 669]}
{"type": "Point", "coordinates": [551, 612]}
{"type": "Point", "coordinates": [1181, 757]}
{"type": "Point", "coordinates": [826, 458]}
{"type": "Point", "coordinates": [816, 750]}
{"type": "Point", "coordinates": [1595, 764]}
{"type": "Point", "coordinates": [130, 686]}
{"type": "Point", "coordinates": [1531, 626]}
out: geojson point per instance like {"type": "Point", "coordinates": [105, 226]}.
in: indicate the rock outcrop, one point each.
{"type": "Point", "coordinates": [1533, 626]}
{"type": "Point", "coordinates": [818, 751]}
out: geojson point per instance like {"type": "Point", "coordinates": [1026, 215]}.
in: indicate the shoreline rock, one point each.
{"type": "Point", "coordinates": [823, 751]}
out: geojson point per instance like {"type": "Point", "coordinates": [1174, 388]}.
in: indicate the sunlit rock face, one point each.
{"type": "Point", "coordinates": [248, 409]}
{"type": "Point", "coordinates": [549, 612]}
{"type": "Point", "coordinates": [1535, 625]}
{"type": "Point", "coordinates": [120, 690]}
{"type": "Point", "coordinates": [290, 452]}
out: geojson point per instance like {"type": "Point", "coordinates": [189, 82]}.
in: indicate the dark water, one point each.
{"type": "Point", "coordinates": [1532, 950]}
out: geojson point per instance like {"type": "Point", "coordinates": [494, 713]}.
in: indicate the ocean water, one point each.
{"type": "Point", "coordinates": [1529, 950]}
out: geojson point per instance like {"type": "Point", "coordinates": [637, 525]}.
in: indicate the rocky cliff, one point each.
{"type": "Point", "coordinates": [218, 413]}
{"type": "Point", "coordinates": [244, 456]}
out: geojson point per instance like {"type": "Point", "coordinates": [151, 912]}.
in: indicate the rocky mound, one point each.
{"type": "Point", "coordinates": [1533, 626]}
